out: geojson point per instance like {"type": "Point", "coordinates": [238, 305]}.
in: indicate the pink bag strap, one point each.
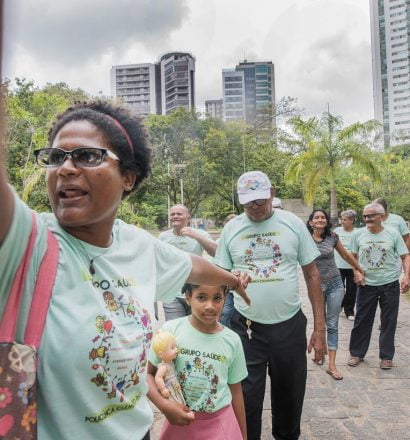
{"type": "Point", "coordinates": [11, 311]}
{"type": "Point", "coordinates": [42, 293]}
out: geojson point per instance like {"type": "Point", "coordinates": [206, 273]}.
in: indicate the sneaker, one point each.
{"type": "Point", "coordinates": [386, 364]}
{"type": "Point", "coordinates": [350, 317]}
{"type": "Point", "coordinates": [354, 361]}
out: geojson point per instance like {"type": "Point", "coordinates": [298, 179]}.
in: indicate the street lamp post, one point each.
{"type": "Point", "coordinates": [181, 168]}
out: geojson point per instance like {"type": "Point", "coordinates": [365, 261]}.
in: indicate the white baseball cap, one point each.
{"type": "Point", "coordinates": [253, 185]}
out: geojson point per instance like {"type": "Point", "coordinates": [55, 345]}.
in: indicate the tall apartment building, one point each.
{"type": "Point", "coordinates": [390, 28]}
{"type": "Point", "coordinates": [138, 85]}
{"type": "Point", "coordinates": [156, 87]}
{"type": "Point", "coordinates": [249, 92]}
{"type": "Point", "coordinates": [177, 81]}
{"type": "Point", "coordinates": [214, 108]}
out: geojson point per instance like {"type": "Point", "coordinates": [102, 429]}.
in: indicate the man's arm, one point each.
{"type": "Point", "coordinates": [209, 245]}
{"type": "Point", "coordinates": [318, 337]}
{"type": "Point", "coordinates": [405, 281]}
{"type": "Point", "coordinates": [406, 238]}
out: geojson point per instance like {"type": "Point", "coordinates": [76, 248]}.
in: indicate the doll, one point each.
{"type": "Point", "coordinates": [164, 346]}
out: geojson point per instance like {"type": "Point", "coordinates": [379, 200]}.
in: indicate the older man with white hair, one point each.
{"type": "Point", "coordinates": [376, 248]}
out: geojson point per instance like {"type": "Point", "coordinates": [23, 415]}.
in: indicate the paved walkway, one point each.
{"type": "Point", "coordinates": [368, 404]}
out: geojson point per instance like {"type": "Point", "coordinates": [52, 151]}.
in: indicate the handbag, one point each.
{"type": "Point", "coordinates": [18, 362]}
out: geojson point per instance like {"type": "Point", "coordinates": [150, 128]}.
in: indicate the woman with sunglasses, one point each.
{"type": "Point", "coordinates": [93, 354]}
{"type": "Point", "coordinates": [319, 226]}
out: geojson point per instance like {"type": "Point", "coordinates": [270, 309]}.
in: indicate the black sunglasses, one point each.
{"type": "Point", "coordinates": [258, 202]}
{"type": "Point", "coordinates": [370, 216]}
{"type": "Point", "coordinates": [81, 156]}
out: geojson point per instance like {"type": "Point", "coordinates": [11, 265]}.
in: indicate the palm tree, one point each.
{"type": "Point", "coordinates": [326, 149]}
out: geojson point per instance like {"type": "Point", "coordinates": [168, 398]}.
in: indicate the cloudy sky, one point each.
{"type": "Point", "coordinates": [320, 48]}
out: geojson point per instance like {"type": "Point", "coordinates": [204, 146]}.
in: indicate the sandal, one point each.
{"type": "Point", "coordinates": [334, 374]}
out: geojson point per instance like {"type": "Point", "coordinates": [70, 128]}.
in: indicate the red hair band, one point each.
{"type": "Point", "coordinates": [123, 131]}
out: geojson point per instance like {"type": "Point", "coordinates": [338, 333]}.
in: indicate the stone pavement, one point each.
{"type": "Point", "coordinates": [368, 404]}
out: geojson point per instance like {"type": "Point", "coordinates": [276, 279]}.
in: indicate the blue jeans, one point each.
{"type": "Point", "coordinates": [227, 311]}
{"type": "Point", "coordinates": [333, 291]}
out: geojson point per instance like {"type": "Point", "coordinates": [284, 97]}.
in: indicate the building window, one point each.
{"type": "Point", "coordinates": [233, 78]}
{"type": "Point", "coordinates": [399, 60]}
{"type": "Point", "coordinates": [261, 68]}
{"type": "Point", "coordinates": [402, 52]}
{"type": "Point", "coordinates": [396, 7]}
{"type": "Point", "coordinates": [395, 69]}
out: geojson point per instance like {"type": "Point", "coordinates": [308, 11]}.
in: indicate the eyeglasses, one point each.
{"type": "Point", "coordinates": [82, 157]}
{"type": "Point", "coordinates": [370, 216]}
{"type": "Point", "coordinates": [259, 202]}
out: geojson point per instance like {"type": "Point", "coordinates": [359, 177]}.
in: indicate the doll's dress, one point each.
{"type": "Point", "coordinates": [171, 382]}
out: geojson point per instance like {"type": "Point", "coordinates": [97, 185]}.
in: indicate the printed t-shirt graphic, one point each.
{"type": "Point", "coordinates": [92, 358]}
{"type": "Point", "coordinates": [377, 254]}
{"type": "Point", "coordinates": [206, 364]}
{"type": "Point", "coordinates": [270, 251]}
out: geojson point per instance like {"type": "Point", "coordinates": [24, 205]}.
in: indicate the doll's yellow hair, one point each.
{"type": "Point", "coordinates": [161, 341]}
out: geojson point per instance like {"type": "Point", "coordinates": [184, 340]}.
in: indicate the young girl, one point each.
{"type": "Point", "coordinates": [210, 367]}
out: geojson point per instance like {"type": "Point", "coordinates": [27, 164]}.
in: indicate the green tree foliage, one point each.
{"type": "Point", "coordinates": [327, 149]}
{"type": "Point", "coordinates": [208, 155]}
{"type": "Point", "coordinates": [30, 112]}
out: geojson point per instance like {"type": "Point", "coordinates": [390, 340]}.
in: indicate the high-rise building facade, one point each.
{"type": "Point", "coordinates": [138, 85]}
{"type": "Point", "coordinates": [249, 92]}
{"type": "Point", "coordinates": [390, 28]}
{"type": "Point", "coordinates": [214, 108]}
{"type": "Point", "coordinates": [233, 87]}
{"type": "Point", "coordinates": [156, 87]}
{"type": "Point", "coordinates": [177, 81]}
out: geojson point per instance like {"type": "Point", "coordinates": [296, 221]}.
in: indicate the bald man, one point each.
{"type": "Point", "coordinates": [194, 241]}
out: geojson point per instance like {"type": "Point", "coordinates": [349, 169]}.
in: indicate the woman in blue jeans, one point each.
{"type": "Point", "coordinates": [320, 227]}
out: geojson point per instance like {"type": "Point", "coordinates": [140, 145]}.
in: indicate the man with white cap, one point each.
{"type": "Point", "coordinates": [269, 244]}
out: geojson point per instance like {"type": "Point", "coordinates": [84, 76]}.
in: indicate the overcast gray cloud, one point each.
{"type": "Point", "coordinates": [320, 48]}
{"type": "Point", "coordinates": [77, 31]}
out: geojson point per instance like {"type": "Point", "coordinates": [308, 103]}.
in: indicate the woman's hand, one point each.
{"type": "Point", "coordinates": [243, 280]}
{"type": "Point", "coordinates": [359, 278]}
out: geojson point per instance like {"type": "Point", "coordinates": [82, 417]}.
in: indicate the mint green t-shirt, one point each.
{"type": "Point", "coordinates": [345, 237]}
{"type": "Point", "coordinates": [270, 252]}
{"type": "Point", "coordinates": [94, 350]}
{"type": "Point", "coordinates": [206, 364]}
{"type": "Point", "coordinates": [397, 222]}
{"type": "Point", "coordinates": [186, 244]}
{"type": "Point", "coordinates": [377, 254]}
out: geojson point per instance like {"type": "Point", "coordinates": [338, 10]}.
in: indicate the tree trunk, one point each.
{"type": "Point", "coordinates": [333, 204]}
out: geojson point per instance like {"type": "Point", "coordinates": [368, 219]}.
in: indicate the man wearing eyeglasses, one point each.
{"type": "Point", "coordinates": [269, 244]}
{"type": "Point", "coordinates": [376, 247]}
